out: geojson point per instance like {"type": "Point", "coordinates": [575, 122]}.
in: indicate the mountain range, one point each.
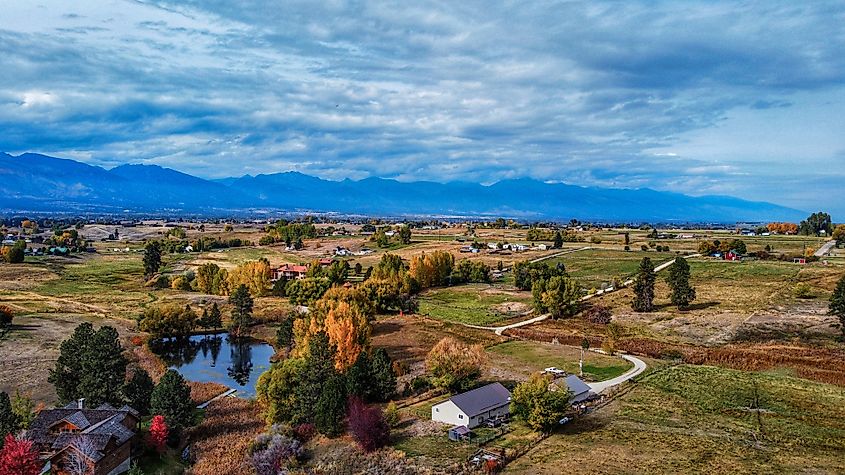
{"type": "Point", "coordinates": [38, 183]}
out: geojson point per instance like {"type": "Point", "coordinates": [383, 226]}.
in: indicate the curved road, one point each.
{"type": "Point", "coordinates": [639, 367]}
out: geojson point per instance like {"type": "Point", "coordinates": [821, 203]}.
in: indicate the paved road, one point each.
{"type": "Point", "coordinates": [826, 247]}
{"type": "Point", "coordinates": [639, 367]}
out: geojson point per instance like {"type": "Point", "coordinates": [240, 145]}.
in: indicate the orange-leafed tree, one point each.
{"type": "Point", "coordinates": [158, 433]}
{"type": "Point", "coordinates": [18, 457]}
{"type": "Point", "coordinates": [349, 330]}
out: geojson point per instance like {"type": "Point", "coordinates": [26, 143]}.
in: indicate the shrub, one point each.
{"type": "Point", "coordinates": [453, 364]}
{"type": "Point", "coordinates": [368, 425]}
{"type": "Point", "coordinates": [598, 314]}
{"type": "Point", "coordinates": [6, 316]}
{"type": "Point", "coordinates": [803, 291]}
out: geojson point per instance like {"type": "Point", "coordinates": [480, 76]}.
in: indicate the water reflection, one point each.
{"type": "Point", "coordinates": [234, 362]}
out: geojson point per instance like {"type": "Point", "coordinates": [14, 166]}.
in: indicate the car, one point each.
{"type": "Point", "coordinates": [565, 420]}
{"type": "Point", "coordinates": [555, 371]}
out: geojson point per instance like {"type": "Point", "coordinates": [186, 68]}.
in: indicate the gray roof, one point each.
{"type": "Point", "coordinates": [482, 399]}
{"type": "Point", "coordinates": [579, 389]}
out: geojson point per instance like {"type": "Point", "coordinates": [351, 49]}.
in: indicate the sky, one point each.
{"type": "Point", "coordinates": [736, 98]}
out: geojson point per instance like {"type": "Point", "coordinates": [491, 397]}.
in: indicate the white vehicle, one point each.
{"type": "Point", "coordinates": [565, 420]}
{"type": "Point", "coordinates": [555, 371]}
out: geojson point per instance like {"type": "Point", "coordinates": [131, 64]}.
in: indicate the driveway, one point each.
{"type": "Point", "coordinates": [826, 247]}
{"type": "Point", "coordinates": [639, 367]}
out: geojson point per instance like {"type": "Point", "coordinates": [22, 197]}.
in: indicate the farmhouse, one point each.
{"type": "Point", "coordinates": [289, 272]}
{"type": "Point", "coordinates": [74, 436]}
{"type": "Point", "coordinates": [732, 256]}
{"type": "Point", "coordinates": [474, 407]}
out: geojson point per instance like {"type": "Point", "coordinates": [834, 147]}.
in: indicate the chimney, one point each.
{"type": "Point", "coordinates": [80, 403]}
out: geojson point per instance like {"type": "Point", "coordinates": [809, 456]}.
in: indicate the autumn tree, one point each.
{"type": "Point", "coordinates": [405, 234]}
{"type": "Point", "coordinates": [839, 234]}
{"type": "Point", "coordinates": [560, 296]}
{"type": "Point", "coordinates": [152, 258]}
{"type": "Point", "coordinates": [204, 279]}
{"type": "Point", "coordinates": [168, 320]}
{"type": "Point", "coordinates": [432, 269]}
{"type": "Point", "coordinates": [171, 398]}
{"type": "Point", "coordinates": [18, 457]}
{"type": "Point", "coordinates": [242, 304]}
{"type": "Point", "coordinates": [24, 409]}
{"type": "Point", "coordinates": [254, 275]}
{"type": "Point", "coordinates": [453, 364]}
{"type": "Point", "coordinates": [390, 265]}
{"type": "Point", "coordinates": [837, 303]}
{"type": "Point", "coordinates": [644, 287]}
{"type": "Point", "coordinates": [539, 403]}
{"type": "Point", "coordinates": [678, 279]}
{"type": "Point", "coordinates": [277, 388]}
{"type": "Point", "coordinates": [158, 433]}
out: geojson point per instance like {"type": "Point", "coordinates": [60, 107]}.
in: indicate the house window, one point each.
{"type": "Point", "coordinates": [436, 409]}
{"type": "Point", "coordinates": [460, 416]}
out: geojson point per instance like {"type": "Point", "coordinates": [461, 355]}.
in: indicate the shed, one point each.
{"type": "Point", "coordinates": [459, 433]}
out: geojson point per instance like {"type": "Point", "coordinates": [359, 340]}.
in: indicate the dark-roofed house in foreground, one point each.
{"type": "Point", "coordinates": [474, 407]}
{"type": "Point", "coordinates": [73, 436]}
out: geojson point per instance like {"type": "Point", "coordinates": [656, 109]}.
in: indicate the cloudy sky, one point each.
{"type": "Point", "coordinates": [745, 99]}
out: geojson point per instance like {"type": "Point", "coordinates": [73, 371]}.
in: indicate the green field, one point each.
{"type": "Point", "coordinates": [700, 419]}
{"type": "Point", "coordinates": [594, 267]}
{"type": "Point", "coordinates": [476, 304]}
{"type": "Point", "coordinates": [528, 357]}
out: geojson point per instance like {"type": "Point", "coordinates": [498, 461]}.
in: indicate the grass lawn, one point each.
{"type": "Point", "coordinates": [439, 446]}
{"type": "Point", "coordinates": [93, 274]}
{"type": "Point", "coordinates": [527, 357]}
{"type": "Point", "coordinates": [701, 419]}
{"type": "Point", "coordinates": [476, 304]}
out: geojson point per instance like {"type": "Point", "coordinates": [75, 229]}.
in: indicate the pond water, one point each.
{"type": "Point", "coordinates": [233, 362]}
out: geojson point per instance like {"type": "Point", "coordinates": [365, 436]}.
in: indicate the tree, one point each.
{"type": "Point", "coordinates": [171, 398]}
{"type": "Point", "coordinates": [538, 403]}
{"type": "Point", "coordinates": [368, 425]}
{"type": "Point", "coordinates": [168, 320]}
{"type": "Point", "coordinates": [215, 318]}
{"type": "Point", "coordinates": [158, 433]}
{"type": "Point", "coordinates": [453, 364]}
{"type": "Point", "coordinates": [839, 234]}
{"type": "Point", "coordinates": [678, 279]}
{"type": "Point", "coordinates": [558, 242]}
{"type": "Point", "coordinates": [8, 419]}
{"type": "Point", "coordinates": [837, 303]}
{"type": "Point", "coordinates": [382, 376]}
{"type": "Point", "coordinates": [91, 365]}
{"type": "Point", "coordinates": [331, 406]}
{"type": "Point", "coordinates": [284, 335]}
{"type": "Point", "coordinates": [24, 409]}
{"type": "Point", "coordinates": [561, 297]}
{"type": "Point", "coordinates": [319, 368]}
{"type": "Point", "coordinates": [527, 273]}
{"type": "Point", "coordinates": [277, 388]}
{"type": "Point", "coordinates": [815, 224]}
{"type": "Point", "coordinates": [644, 287]}
{"type": "Point", "coordinates": [242, 309]}
{"type": "Point", "coordinates": [255, 275]}
{"type": "Point", "coordinates": [139, 390]}
{"type": "Point", "coordinates": [15, 254]}
{"type": "Point", "coordinates": [405, 234]}
{"type": "Point", "coordinates": [152, 258]}
{"type": "Point", "coordinates": [18, 457]}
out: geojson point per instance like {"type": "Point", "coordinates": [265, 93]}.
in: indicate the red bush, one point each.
{"type": "Point", "coordinates": [18, 457]}
{"type": "Point", "coordinates": [158, 433]}
{"type": "Point", "coordinates": [598, 314]}
{"type": "Point", "coordinates": [304, 432]}
{"type": "Point", "coordinates": [367, 425]}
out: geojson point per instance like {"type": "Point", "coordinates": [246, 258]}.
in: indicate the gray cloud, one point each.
{"type": "Point", "coordinates": [610, 94]}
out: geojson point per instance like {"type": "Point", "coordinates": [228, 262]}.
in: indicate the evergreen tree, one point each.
{"type": "Point", "coordinates": [837, 303]}
{"type": "Point", "coordinates": [284, 335]}
{"type": "Point", "coordinates": [8, 419]}
{"type": "Point", "coordinates": [171, 398]}
{"type": "Point", "coordinates": [558, 243]}
{"type": "Point", "coordinates": [138, 391]}
{"type": "Point", "coordinates": [405, 234]}
{"type": "Point", "coordinates": [331, 406]}
{"type": "Point", "coordinates": [152, 258]}
{"type": "Point", "coordinates": [644, 287]}
{"type": "Point", "coordinates": [242, 311]}
{"type": "Point", "coordinates": [319, 368]}
{"type": "Point", "coordinates": [382, 377]}
{"type": "Point", "coordinates": [68, 371]}
{"type": "Point", "coordinates": [678, 279]}
{"type": "Point", "coordinates": [215, 318]}
{"type": "Point", "coordinates": [103, 369]}
{"type": "Point", "coordinates": [358, 380]}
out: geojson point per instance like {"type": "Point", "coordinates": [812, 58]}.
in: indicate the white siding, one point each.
{"type": "Point", "coordinates": [447, 412]}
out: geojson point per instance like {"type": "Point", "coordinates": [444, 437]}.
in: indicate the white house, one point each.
{"type": "Point", "coordinates": [474, 407]}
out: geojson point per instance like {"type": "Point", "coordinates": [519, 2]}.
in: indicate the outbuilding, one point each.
{"type": "Point", "coordinates": [473, 408]}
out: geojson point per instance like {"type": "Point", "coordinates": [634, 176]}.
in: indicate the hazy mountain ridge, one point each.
{"type": "Point", "coordinates": [38, 182]}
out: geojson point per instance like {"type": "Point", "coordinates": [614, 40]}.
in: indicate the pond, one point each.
{"type": "Point", "coordinates": [233, 362]}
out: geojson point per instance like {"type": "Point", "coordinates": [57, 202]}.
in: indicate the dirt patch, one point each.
{"type": "Point", "coordinates": [512, 309]}
{"type": "Point", "coordinates": [30, 350]}
{"type": "Point", "coordinates": [23, 277]}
